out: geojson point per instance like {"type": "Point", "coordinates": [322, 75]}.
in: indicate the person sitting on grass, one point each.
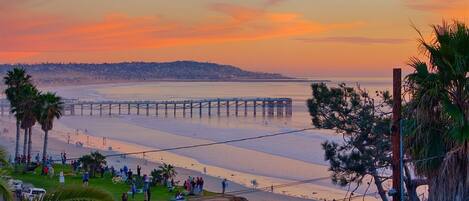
{"type": "Point", "coordinates": [178, 197]}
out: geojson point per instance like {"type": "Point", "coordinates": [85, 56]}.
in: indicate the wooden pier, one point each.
{"type": "Point", "coordinates": [267, 107]}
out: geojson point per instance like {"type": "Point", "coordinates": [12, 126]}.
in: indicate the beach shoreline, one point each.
{"type": "Point", "coordinates": [57, 146]}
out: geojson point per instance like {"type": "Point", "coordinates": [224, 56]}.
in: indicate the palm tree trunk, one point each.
{"type": "Point", "coordinates": [451, 183]}
{"type": "Point", "coordinates": [25, 142]}
{"type": "Point", "coordinates": [44, 148]}
{"type": "Point", "coordinates": [17, 147]}
{"type": "Point", "coordinates": [30, 142]}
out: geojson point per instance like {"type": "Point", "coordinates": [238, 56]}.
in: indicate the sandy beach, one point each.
{"type": "Point", "coordinates": [57, 145]}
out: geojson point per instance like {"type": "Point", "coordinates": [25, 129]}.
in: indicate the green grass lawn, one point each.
{"type": "Point", "coordinates": [159, 193]}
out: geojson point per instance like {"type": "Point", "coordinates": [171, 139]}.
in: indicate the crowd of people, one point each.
{"type": "Point", "coordinates": [191, 186]}
{"type": "Point", "coordinates": [194, 185]}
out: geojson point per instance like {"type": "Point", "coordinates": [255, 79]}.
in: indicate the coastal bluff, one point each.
{"type": "Point", "coordinates": [85, 73]}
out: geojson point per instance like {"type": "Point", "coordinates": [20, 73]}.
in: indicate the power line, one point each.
{"type": "Point", "coordinates": [203, 144]}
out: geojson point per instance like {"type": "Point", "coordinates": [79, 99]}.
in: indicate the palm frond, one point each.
{"type": "Point", "coordinates": [5, 192]}
{"type": "Point", "coordinates": [3, 156]}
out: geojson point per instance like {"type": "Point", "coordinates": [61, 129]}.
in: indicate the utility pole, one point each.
{"type": "Point", "coordinates": [396, 136]}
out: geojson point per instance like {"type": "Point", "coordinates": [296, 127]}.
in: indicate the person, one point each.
{"type": "Point", "coordinates": [86, 177]}
{"type": "Point", "coordinates": [45, 170]}
{"type": "Point", "coordinates": [179, 196]}
{"type": "Point", "coordinates": [146, 182]}
{"type": "Point", "coordinates": [62, 178]}
{"type": "Point", "coordinates": [101, 171]}
{"type": "Point", "coordinates": [139, 169]}
{"type": "Point", "coordinates": [125, 169]}
{"type": "Point", "coordinates": [133, 188]}
{"type": "Point", "coordinates": [148, 193]}
{"type": "Point", "coordinates": [64, 158]}
{"type": "Point", "coordinates": [129, 174]}
{"type": "Point", "coordinates": [169, 185]}
{"type": "Point", "coordinates": [224, 185]}
{"type": "Point", "coordinates": [38, 159]}
{"type": "Point", "coordinates": [124, 197]}
{"type": "Point", "coordinates": [201, 185]}
{"type": "Point", "coordinates": [113, 171]}
{"type": "Point", "coordinates": [51, 171]}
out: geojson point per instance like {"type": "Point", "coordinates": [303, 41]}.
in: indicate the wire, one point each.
{"type": "Point", "coordinates": [203, 144]}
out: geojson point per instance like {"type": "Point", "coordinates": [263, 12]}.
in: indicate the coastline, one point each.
{"type": "Point", "coordinates": [57, 146]}
{"type": "Point", "coordinates": [100, 82]}
{"type": "Point", "coordinates": [276, 161]}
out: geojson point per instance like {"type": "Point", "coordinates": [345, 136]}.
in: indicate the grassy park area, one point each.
{"type": "Point", "coordinates": [158, 193]}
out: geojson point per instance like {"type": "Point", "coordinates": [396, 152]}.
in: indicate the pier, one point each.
{"type": "Point", "coordinates": [266, 107]}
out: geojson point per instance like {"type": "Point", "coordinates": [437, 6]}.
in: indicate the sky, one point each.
{"type": "Point", "coordinates": [305, 38]}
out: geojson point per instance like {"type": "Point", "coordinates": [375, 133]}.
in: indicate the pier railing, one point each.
{"type": "Point", "coordinates": [269, 107]}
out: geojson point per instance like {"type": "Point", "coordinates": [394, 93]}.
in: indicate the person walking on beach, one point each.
{"type": "Point", "coordinates": [224, 184]}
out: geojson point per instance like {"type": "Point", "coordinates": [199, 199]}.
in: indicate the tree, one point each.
{"type": "Point", "coordinates": [438, 112]}
{"type": "Point", "coordinates": [93, 162]}
{"type": "Point", "coordinates": [14, 80]}
{"type": "Point", "coordinates": [167, 171]}
{"type": "Point", "coordinates": [5, 192]}
{"type": "Point", "coordinates": [28, 100]}
{"type": "Point", "coordinates": [364, 123]}
{"type": "Point", "coordinates": [49, 107]}
{"type": "Point", "coordinates": [79, 193]}
{"type": "Point", "coordinates": [157, 176]}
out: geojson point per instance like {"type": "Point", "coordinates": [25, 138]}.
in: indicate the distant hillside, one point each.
{"type": "Point", "coordinates": [56, 73]}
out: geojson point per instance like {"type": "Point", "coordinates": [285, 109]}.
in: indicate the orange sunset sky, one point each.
{"type": "Point", "coordinates": [293, 37]}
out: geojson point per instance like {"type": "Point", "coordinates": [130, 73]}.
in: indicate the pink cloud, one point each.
{"type": "Point", "coordinates": [448, 8]}
{"type": "Point", "coordinates": [355, 40]}
{"type": "Point", "coordinates": [39, 32]}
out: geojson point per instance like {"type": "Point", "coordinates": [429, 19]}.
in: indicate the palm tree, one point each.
{"type": "Point", "coordinates": [14, 80]}
{"type": "Point", "coordinates": [28, 101]}
{"type": "Point", "coordinates": [49, 107]}
{"type": "Point", "coordinates": [438, 112]}
{"type": "Point", "coordinates": [167, 171]}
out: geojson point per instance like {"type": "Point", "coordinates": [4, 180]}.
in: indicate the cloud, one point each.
{"type": "Point", "coordinates": [39, 32]}
{"type": "Point", "coordinates": [448, 8]}
{"type": "Point", "coordinates": [12, 57]}
{"type": "Point", "coordinates": [273, 2]}
{"type": "Point", "coordinates": [355, 40]}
